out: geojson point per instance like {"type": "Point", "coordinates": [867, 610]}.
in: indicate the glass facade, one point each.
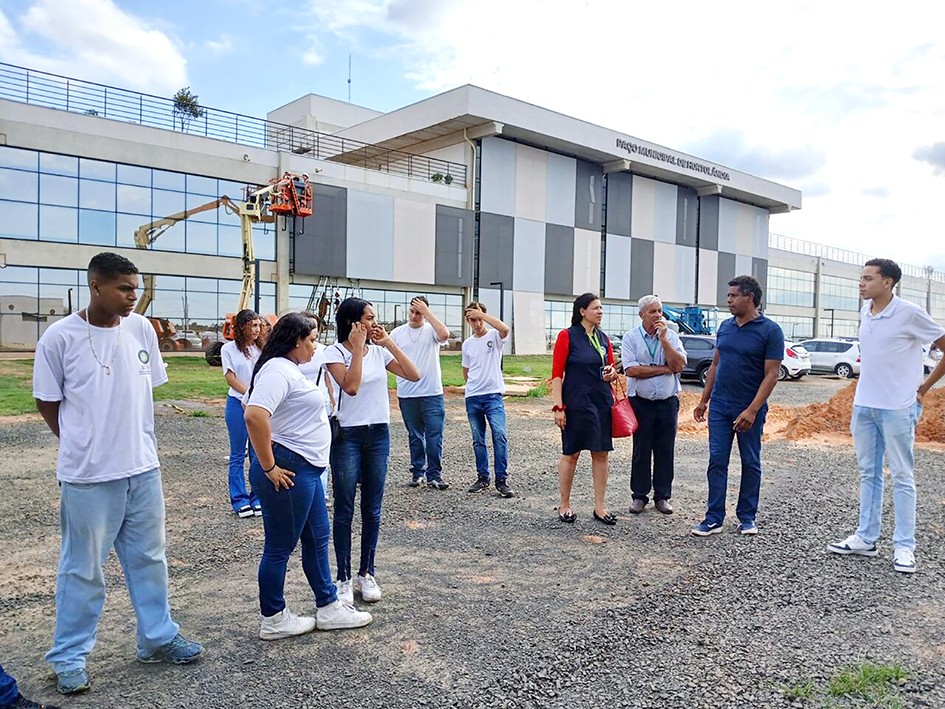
{"type": "Point", "coordinates": [795, 327]}
{"type": "Point", "coordinates": [390, 306]}
{"type": "Point", "coordinates": [915, 295]}
{"type": "Point", "coordinates": [616, 321]}
{"type": "Point", "coordinates": [188, 313]}
{"type": "Point", "coordinates": [838, 327]}
{"type": "Point", "coordinates": [938, 306]}
{"type": "Point", "coordinates": [65, 199]}
{"type": "Point", "coordinates": [839, 293]}
{"type": "Point", "coordinates": [789, 287]}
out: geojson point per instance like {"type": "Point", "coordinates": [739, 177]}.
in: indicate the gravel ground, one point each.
{"type": "Point", "coordinates": [494, 603]}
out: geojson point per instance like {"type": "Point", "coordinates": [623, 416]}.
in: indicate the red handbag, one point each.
{"type": "Point", "coordinates": [623, 421]}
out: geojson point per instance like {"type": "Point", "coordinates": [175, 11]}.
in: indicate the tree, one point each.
{"type": "Point", "coordinates": [187, 107]}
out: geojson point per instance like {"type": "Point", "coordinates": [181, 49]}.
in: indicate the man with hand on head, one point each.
{"type": "Point", "coordinates": [886, 409]}
{"type": "Point", "coordinates": [482, 370]}
{"type": "Point", "coordinates": [92, 380]}
{"type": "Point", "coordinates": [421, 403]}
{"type": "Point", "coordinates": [748, 354]}
{"type": "Point", "coordinates": [652, 356]}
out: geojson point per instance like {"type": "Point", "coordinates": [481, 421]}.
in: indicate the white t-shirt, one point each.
{"type": "Point", "coordinates": [106, 421]}
{"type": "Point", "coordinates": [371, 404]}
{"type": "Point", "coordinates": [482, 356]}
{"type": "Point", "coordinates": [314, 370]}
{"type": "Point", "coordinates": [422, 347]}
{"type": "Point", "coordinates": [297, 407]}
{"type": "Point", "coordinates": [242, 366]}
{"type": "Point", "coordinates": [891, 354]}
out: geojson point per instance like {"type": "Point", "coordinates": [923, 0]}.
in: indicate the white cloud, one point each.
{"type": "Point", "coordinates": [96, 41]}
{"type": "Point", "coordinates": [223, 45]}
{"type": "Point", "coordinates": [836, 97]}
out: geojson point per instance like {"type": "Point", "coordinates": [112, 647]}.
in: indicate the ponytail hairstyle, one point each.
{"type": "Point", "coordinates": [242, 322]}
{"type": "Point", "coordinates": [286, 333]}
{"type": "Point", "coordinates": [348, 313]}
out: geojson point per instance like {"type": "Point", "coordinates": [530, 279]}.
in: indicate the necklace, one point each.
{"type": "Point", "coordinates": [103, 365]}
{"type": "Point", "coordinates": [419, 332]}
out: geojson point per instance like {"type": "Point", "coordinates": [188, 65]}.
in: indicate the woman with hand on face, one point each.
{"type": "Point", "coordinates": [239, 357]}
{"type": "Point", "coordinates": [359, 362]}
{"type": "Point", "coordinates": [288, 427]}
{"type": "Point", "coordinates": [582, 369]}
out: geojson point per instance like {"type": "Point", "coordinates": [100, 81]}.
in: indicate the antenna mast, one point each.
{"type": "Point", "coordinates": [349, 78]}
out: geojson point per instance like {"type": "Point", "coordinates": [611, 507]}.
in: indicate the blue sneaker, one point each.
{"type": "Point", "coordinates": [747, 529]}
{"type": "Point", "coordinates": [704, 529]}
{"type": "Point", "coordinates": [179, 651]}
{"type": "Point", "coordinates": [72, 681]}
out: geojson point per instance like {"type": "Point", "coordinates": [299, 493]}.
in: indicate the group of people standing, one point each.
{"type": "Point", "coordinates": [305, 408]}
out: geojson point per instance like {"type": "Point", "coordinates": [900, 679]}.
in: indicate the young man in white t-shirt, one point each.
{"type": "Point", "coordinates": [421, 403]}
{"type": "Point", "coordinates": [482, 370]}
{"type": "Point", "coordinates": [92, 380]}
{"type": "Point", "coordinates": [887, 407]}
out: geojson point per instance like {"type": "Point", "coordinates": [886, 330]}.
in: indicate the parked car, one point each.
{"type": "Point", "coordinates": [700, 351]}
{"type": "Point", "coordinates": [931, 356]}
{"type": "Point", "coordinates": [834, 356]}
{"type": "Point", "coordinates": [796, 362]}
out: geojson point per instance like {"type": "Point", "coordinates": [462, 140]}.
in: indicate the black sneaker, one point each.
{"type": "Point", "coordinates": [416, 482]}
{"type": "Point", "coordinates": [503, 488]}
{"type": "Point", "coordinates": [24, 703]}
{"type": "Point", "coordinates": [480, 485]}
{"type": "Point", "coordinates": [438, 484]}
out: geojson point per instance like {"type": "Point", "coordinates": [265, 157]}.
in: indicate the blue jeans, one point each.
{"type": "Point", "coordinates": [722, 417]}
{"type": "Point", "coordinates": [8, 690]}
{"type": "Point", "coordinates": [479, 409]}
{"type": "Point", "coordinates": [424, 417]}
{"type": "Point", "coordinates": [129, 515]}
{"type": "Point", "coordinates": [878, 433]}
{"type": "Point", "coordinates": [298, 513]}
{"type": "Point", "coordinates": [359, 455]}
{"type": "Point", "coordinates": [239, 442]}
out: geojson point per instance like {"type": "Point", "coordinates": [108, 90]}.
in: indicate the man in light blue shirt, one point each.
{"type": "Point", "coordinates": [652, 357]}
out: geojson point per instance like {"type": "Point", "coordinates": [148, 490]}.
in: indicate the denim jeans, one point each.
{"type": "Point", "coordinates": [298, 513]}
{"type": "Point", "coordinates": [424, 417]}
{"type": "Point", "coordinates": [128, 514]}
{"type": "Point", "coordinates": [479, 409]}
{"type": "Point", "coordinates": [359, 455]}
{"type": "Point", "coordinates": [239, 443]}
{"type": "Point", "coordinates": [722, 417]}
{"type": "Point", "coordinates": [890, 433]}
{"type": "Point", "coordinates": [8, 690]}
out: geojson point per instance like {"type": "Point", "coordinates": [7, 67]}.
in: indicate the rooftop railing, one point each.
{"type": "Point", "coordinates": [41, 88]}
{"type": "Point", "coordinates": [832, 253]}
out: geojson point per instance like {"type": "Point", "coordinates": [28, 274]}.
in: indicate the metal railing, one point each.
{"type": "Point", "coordinates": [832, 253]}
{"type": "Point", "coordinates": [41, 88]}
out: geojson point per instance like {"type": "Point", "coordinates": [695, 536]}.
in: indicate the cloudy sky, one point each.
{"type": "Point", "coordinates": [842, 100]}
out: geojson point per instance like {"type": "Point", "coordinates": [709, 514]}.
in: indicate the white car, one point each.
{"type": "Point", "coordinates": [834, 356]}
{"type": "Point", "coordinates": [796, 362]}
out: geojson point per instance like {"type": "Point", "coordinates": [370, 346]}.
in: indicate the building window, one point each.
{"type": "Point", "coordinates": [839, 293]}
{"type": "Point", "coordinates": [794, 327]}
{"type": "Point", "coordinates": [914, 295]}
{"type": "Point", "coordinates": [789, 287]}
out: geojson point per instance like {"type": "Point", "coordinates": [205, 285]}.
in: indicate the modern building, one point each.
{"type": "Point", "coordinates": [467, 194]}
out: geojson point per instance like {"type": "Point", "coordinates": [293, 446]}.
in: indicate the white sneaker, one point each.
{"type": "Point", "coordinates": [904, 560]}
{"type": "Point", "coordinates": [345, 591]}
{"type": "Point", "coordinates": [370, 591]}
{"type": "Point", "coordinates": [340, 615]}
{"type": "Point", "coordinates": [853, 545]}
{"type": "Point", "coordinates": [284, 625]}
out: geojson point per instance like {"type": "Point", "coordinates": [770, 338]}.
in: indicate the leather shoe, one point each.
{"type": "Point", "coordinates": [664, 507]}
{"type": "Point", "coordinates": [637, 505]}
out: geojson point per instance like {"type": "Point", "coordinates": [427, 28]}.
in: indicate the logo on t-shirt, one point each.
{"type": "Point", "coordinates": [143, 356]}
{"type": "Point", "coordinates": [490, 344]}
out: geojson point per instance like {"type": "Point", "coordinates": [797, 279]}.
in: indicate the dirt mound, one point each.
{"type": "Point", "coordinates": [834, 417]}
{"type": "Point", "coordinates": [778, 417]}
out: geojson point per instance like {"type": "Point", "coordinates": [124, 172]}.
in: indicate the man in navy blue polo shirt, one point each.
{"type": "Point", "coordinates": [749, 350]}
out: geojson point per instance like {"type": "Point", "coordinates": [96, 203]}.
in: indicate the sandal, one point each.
{"type": "Point", "coordinates": [567, 517]}
{"type": "Point", "coordinates": [609, 519]}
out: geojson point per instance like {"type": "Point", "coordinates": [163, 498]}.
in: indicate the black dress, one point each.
{"type": "Point", "coordinates": [587, 398]}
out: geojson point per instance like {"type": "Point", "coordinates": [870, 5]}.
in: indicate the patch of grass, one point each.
{"type": "Point", "coordinates": [198, 414]}
{"type": "Point", "coordinates": [538, 392]}
{"type": "Point", "coordinates": [16, 387]}
{"type": "Point", "coordinates": [537, 366]}
{"type": "Point", "coordinates": [801, 690]}
{"type": "Point", "coordinates": [867, 681]}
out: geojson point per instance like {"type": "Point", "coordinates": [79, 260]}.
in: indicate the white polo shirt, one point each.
{"type": "Point", "coordinates": [891, 354]}
{"type": "Point", "coordinates": [422, 347]}
{"type": "Point", "coordinates": [106, 421]}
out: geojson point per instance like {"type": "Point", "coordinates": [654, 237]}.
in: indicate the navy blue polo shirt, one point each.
{"type": "Point", "coordinates": [742, 354]}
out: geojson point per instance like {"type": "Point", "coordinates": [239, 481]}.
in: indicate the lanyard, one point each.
{"type": "Point", "coordinates": [652, 350]}
{"type": "Point", "coordinates": [597, 346]}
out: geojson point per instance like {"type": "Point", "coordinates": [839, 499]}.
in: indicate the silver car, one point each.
{"type": "Point", "coordinates": [834, 356]}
